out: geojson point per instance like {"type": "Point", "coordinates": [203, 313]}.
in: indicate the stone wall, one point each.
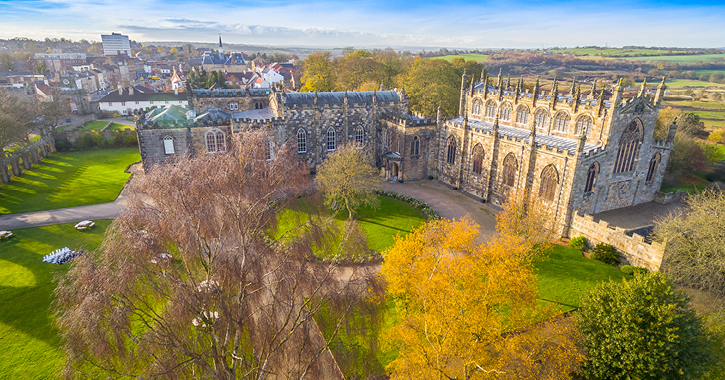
{"type": "Point", "coordinates": [632, 247]}
{"type": "Point", "coordinates": [24, 158]}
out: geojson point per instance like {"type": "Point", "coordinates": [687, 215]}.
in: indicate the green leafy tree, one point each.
{"type": "Point", "coordinates": [346, 176]}
{"type": "Point", "coordinates": [472, 68]}
{"type": "Point", "coordinates": [40, 67]}
{"type": "Point", "coordinates": [358, 68]}
{"type": "Point", "coordinates": [695, 250]}
{"type": "Point", "coordinates": [430, 83]}
{"type": "Point", "coordinates": [318, 74]}
{"type": "Point", "coordinates": [641, 328]}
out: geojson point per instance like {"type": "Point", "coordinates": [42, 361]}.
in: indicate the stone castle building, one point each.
{"type": "Point", "coordinates": [572, 152]}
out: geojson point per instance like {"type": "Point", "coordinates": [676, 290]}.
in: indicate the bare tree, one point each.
{"type": "Point", "coordinates": [18, 117]}
{"type": "Point", "coordinates": [190, 284]}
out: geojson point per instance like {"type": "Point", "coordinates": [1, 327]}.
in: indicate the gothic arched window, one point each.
{"type": "Point", "coordinates": [359, 136]}
{"type": "Point", "coordinates": [653, 163]}
{"type": "Point", "coordinates": [451, 151]}
{"type": "Point", "coordinates": [477, 159]}
{"type": "Point", "coordinates": [491, 109]}
{"type": "Point", "coordinates": [331, 143]}
{"type": "Point", "coordinates": [628, 148]}
{"type": "Point", "coordinates": [591, 178]}
{"type": "Point", "coordinates": [522, 115]}
{"type": "Point", "coordinates": [541, 118]}
{"type": "Point", "coordinates": [510, 166]}
{"type": "Point", "coordinates": [561, 122]}
{"type": "Point", "coordinates": [215, 141]}
{"type": "Point", "coordinates": [270, 151]}
{"type": "Point", "coordinates": [168, 145]}
{"type": "Point", "coordinates": [584, 124]}
{"type": "Point", "coordinates": [476, 108]}
{"type": "Point", "coordinates": [549, 182]}
{"type": "Point", "coordinates": [506, 111]}
{"type": "Point", "coordinates": [415, 146]}
{"type": "Point", "coordinates": [301, 141]}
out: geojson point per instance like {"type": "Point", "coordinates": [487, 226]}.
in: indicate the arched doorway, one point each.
{"type": "Point", "coordinates": [394, 169]}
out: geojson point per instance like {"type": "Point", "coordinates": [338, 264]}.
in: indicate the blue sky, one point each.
{"type": "Point", "coordinates": [377, 23]}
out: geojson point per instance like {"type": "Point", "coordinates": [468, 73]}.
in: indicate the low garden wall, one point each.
{"type": "Point", "coordinates": [632, 247]}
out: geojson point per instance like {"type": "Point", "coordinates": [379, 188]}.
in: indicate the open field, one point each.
{"type": "Point", "coordinates": [467, 57]}
{"type": "Point", "coordinates": [680, 58]}
{"type": "Point", "coordinates": [69, 179]}
{"type": "Point", "coordinates": [611, 51]}
{"type": "Point", "coordinates": [30, 344]}
{"type": "Point", "coordinates": [691, 83]}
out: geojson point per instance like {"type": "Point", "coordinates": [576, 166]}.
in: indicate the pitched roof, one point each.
{"type": "Point", "coordinates": [360, 97]}
{"type": "Point", "coordinates": [223, 59]}
{"type": "Point", "coordinates": [167, 114]}
{"type": "Point", "coordinates": [141, 96]}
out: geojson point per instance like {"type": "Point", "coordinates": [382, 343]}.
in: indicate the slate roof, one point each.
{"type": "Point", "coordinates": [260, 114]}
{"type": "Point", "coordinates": [212, 114]}
{"type": "Point", "coordinates": [561, 98]}
{"type": "Point", "coordinates": [541, 138]}
{"type": "Point", "coordinates": [139, 96]}
{"type": "Point", "coordinates": [360, 97]}
{"type": "Point", "coordinates": [223, 59]}
{"type": "Point", "coordinates": [166, 114]}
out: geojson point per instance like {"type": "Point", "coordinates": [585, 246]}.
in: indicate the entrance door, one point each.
{"type": "Point", "coordinates": [394, 170]}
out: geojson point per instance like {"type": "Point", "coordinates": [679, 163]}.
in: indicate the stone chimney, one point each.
{"type": "Point", "coordinates": [120, 90]}
{"type": "Point", "coordinates": [130, 90]}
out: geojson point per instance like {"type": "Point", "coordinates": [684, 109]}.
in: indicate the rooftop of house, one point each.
{"type": "Point", "coordinates": [223, 59]}
{"type": "Point", "coordinates": [138, 95]}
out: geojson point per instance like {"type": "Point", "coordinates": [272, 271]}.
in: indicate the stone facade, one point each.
{"type": "Point", "coordinates": [632, 247]}
{"type": "Point", "coordinates": [570, 152]}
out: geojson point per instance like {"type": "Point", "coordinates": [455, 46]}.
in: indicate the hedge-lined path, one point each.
{"type": "Point", "coordinates": [449, 203]}
{"type": "Point", "coordinates": [108, 210]}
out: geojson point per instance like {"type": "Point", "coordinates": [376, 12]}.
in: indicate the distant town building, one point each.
{"type": "Point", "coordinates": [61, 61]}
{"type": "Point", "coordinates": [126, 100]}
{"type": "Point", "coordinates": [115, 43]}
{"type": "Point", "coordinates": [228, 62]}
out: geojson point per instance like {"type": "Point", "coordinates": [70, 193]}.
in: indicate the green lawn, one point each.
{"type": "Point", "coordinates": [671, 83]}
{"type": "Point", "coordinates": [565, 274]}
{"type": "Point", "coordinates": [698, 104]}
{"type": "Point", "coordinates": [381, 225]}
{"type": "Point", "coordinates": [95, 125]}
{"type": "Point", "coordinates": [467, 57]}
{"type": "Point", "coordinates": [681, 58]}
{"type": "Point", "coordinates": [62, 128]}
{"type": "Point", "coordinates": [30, 344]}
{"type": "Point", "coordinates": [611, 51]}
{"type": "Point", "coordinates": [69, 179]}
{"type": "Point", "coordinates": [116, 126]}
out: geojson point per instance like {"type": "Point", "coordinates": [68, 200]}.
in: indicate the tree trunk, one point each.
{"type": "Point", "coordinates": [349, 210]}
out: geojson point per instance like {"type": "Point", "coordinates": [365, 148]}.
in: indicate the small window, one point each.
{"type": "Point", "coordinates": [561, 122]}
{"type": "Point", "coordinates": [151, 102]}
{"type": "Point", "coordinates": [451, 156]}
{"type": "Point", "coordinates": [301, 141]}
{"type": "Point", "coordinates": [270, 151]}
{"type": "Point", "coordinates": [215, 141]}
{"type": "Point", "coordinates": [136, 102]}
{"type": "Point", "coordinates": [123, 104]}
{"type": "Point", "coordinates": [478, 159]}
{"type": "Point", "coordinates": [359, 136]}
{"type": "Point", "coordinates": [542, 119]}
{"type": "Point", "coordinates": [506, 111]}
{"type": "Point", "coordinates": [591, 178]}
{"type": "Point", "coordinates": [110, 104]}
{"type": "Point", "coordinates": [169, 145]}
{"type": "Point", "coordinates": [477, 106]}
{"type": "Point", "coordinates": [522, 115]}
{"type": "Point", "coordinates": [491, 109]}
{"type": "Point", "coordinates": [584, 124]}
{"type": "Point", "coordinates": [653, 164]}
{"type": "Point", "coordinates": [233, 106]}
{"type": "Point", "coordinates": [331, 143]}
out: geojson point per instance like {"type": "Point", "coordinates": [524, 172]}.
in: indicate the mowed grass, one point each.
{"type": "Point", "coordinates": [117, 126]}
{"type": "Point", "coordinates": [611, 51]}
{"type": "Point", "coordinates": [673, 83]}
{"type": "Point", "coordinates": [381, 224]}
{"type": "Point", "coordinates": [30, 343]}
{"type": "Point", "coordinates": [681, 58]}
{"type": "Point", "coordinates": [69, 179]}
{"type": "Point", "coordinates": [95, 125]}
{"type": "Point", "coordinates": [467, 57]}
{"type": "Point", "coordinates": [716, 105]}
{"type": "Point", "coordinates": [566, 274]}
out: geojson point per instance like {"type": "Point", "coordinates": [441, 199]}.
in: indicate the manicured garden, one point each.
{"type": "Point", "coordinates": [30, 344]}
{"type": "Point", "coordinates": [69, 179]}
{"type": "Point", "coordinates": [94, 125]}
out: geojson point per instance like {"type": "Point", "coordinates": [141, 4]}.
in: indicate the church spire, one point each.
{"type": "Point", "coordinates": [221, 47]}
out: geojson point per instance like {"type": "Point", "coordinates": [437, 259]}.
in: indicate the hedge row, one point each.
{"type": "Point", "coordinates": [429, 212]}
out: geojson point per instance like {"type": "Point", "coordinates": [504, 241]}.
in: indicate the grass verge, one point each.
{"type": "Point", "coordinates": [30, 344]}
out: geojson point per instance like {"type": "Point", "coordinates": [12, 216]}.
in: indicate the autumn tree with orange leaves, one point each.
{"type": "Point", "coordinates": [466, 309]}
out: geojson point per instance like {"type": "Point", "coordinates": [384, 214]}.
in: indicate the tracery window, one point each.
{"type": "Point", "coordinates": [653, 163]}
{"type": "Point", "coordinates": [541, 118]}
{"type": "Point", "coordinates": [301, 141]}
{"type": "Point", "coordinates": [591, 178]}
{"type": "Point", "coordinates": [491, 109]}
{"type": "Point", "coordinates": [233, 106]}
{"type": "Point", "coordinates": [549, 182]}
{"type": "Point", "coordinates": [510, 166]}
{"type": "Point", "coordinates": [628, 148]}
{"type": "Point", "coordinates": [168, 145]}
{"type": "Point", "coordinates": [478, 159]}
{"type": "Point", "coordinates": [415, 146]}
{"type": "Point", "coordinates": [522, 115]}
{"type": "Point", "coordinates": [331, 143]}
{"type": "Point", "coordinates": [561, 122]}
{"type": "Point", "coordinates": [215, 141]}
{"type": "Point", "coordinates": [506, 111]}
{"type": "Point", "coordinates": [451, 156]}
{"type": "Point", "coordinates": [359, 136]}
{"type": "Point", "coordinates": [476, 108]}
{"type": "Point", "coordinates": [584, 124]}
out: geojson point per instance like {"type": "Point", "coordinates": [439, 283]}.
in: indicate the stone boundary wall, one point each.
{"type": "Point", "coordinates": [80, 122]}
{"type": "Point", "coordinates": [664, 198]}
{"type": "Point", "coordinates": [632, 247]}
{"type": "Point", "coordinates": [24, 158]}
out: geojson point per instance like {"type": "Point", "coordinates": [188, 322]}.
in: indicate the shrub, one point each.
{"type": "Point", "coordinates": [579, 243]}
{"type": "Point", "coordinates": [717, 136]}
{"type": "Point", "coordinates": [605, 253]}
{"type": "Point", "coordinates": [631, 270]}
{"type": "Point", "coordinates": [642, 328]}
